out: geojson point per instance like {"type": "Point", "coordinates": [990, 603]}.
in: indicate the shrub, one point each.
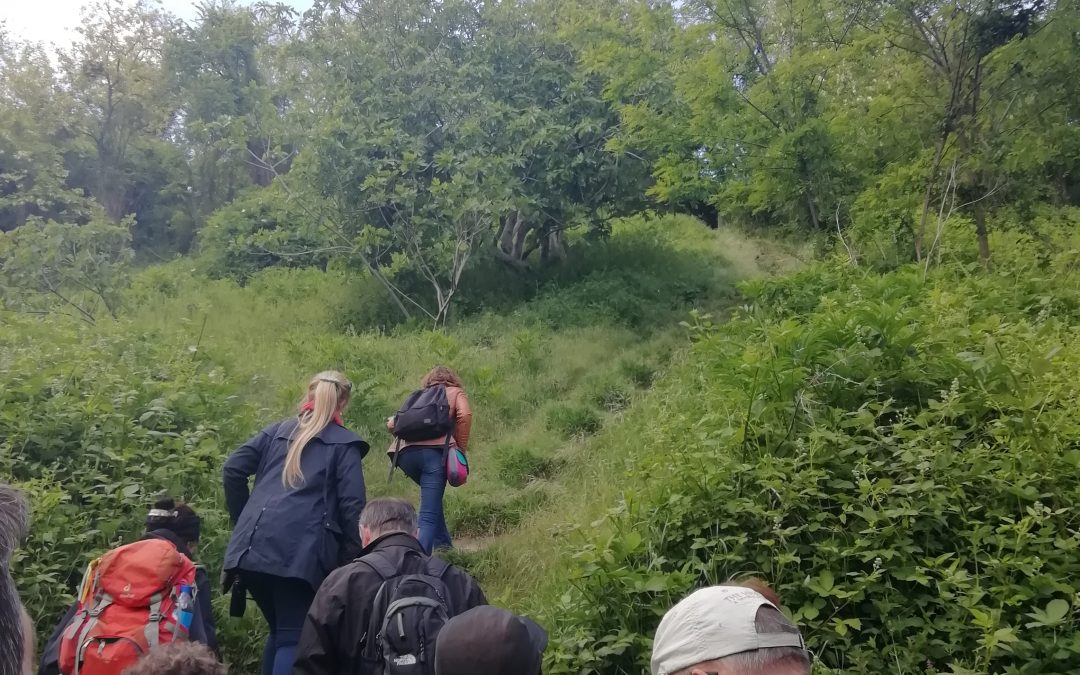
{"type": "Point", "coordinates": [572, 419]}
{"type": "Point", "coordinates": [638, 371]}
{"type": "Point", "coordinates": [263, 228]}
{"type": "Point", "coordinates": [897, 458]}
{"type": "Point", "coordinates": [485, 515]}
{"type": "Point", "coordinates": [609, 392]}
{"type": "Point", "coordinates": [93, 425]}
{"type": "Point", "coordinates": [519, 466]}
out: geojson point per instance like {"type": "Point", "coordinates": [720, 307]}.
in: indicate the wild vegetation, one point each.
{"type": "Point", "coordinates": [194, 217]}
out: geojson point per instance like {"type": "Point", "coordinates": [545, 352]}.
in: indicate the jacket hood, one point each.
{"type": "Point", "coordinates": [393, 539]}
{"type": "Point", "coordinates": [331, 434]}
{"type": "Point", "coordinates": [171, 537]}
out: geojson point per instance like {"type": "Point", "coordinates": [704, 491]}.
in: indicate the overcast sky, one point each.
{"type": "Point", "coordinates": [53, 21]}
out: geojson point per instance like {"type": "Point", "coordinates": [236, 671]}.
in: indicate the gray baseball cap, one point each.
{"type": "Point", "coordinates": [710, 624]}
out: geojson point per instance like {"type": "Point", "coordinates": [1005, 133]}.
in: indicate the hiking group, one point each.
{"type": "Point", "coordinates": [346, 586]}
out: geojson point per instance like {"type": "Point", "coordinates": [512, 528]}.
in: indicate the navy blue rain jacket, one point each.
{"type": "Point", "coordinates": [304, 532]}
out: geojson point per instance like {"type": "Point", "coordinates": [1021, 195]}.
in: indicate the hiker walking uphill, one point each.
{"type": "Point", "coordinates": [298, 523]}
{"type": "Point", "coordinates": [381, 614]}
{"type": "Point", "coordinates": [431, 438]}
{"type": "Point", "coordinates": [146, 593]}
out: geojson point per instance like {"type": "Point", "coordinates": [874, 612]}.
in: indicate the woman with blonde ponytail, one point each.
{"type": "Point", "coordinates": [300, 520]}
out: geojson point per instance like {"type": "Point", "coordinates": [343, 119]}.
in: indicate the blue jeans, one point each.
{"type": "Point", "coordinates": [284, 602]}
{"type": "Point", "coordinates": [426, 467]}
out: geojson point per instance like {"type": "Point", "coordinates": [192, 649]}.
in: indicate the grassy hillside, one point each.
{"type": "Point", "coordinates": [897, 453]}
{"type": "Point", "coordinates": [96, 419]}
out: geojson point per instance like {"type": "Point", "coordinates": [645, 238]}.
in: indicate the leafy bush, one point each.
{"type": "Point", "coordinates": [94, 425]}
{"type": "Point", "coordinates": [261, 229]}
{"type": "Point", "coordinates": [75, 269]}
{"type": "Point", "coordinates": [897, 457]}
{"type": "Point", "coordinates": [572, 419]}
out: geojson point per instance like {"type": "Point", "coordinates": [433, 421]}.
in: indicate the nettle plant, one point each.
{"type": "Point", "coordinates": [93, 426]}
{"type": "Point", "coordinates": [898, 459]}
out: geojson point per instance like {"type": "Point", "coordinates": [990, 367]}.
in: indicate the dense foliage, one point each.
{"type": "Point", "coordinates": [196, 216]}
{"type": "Point", "coordinates": [896, 453]}
{"type": "Point", "coordinates": [96, 419]}
{"type": "Point", "coordinates": [418, 140]}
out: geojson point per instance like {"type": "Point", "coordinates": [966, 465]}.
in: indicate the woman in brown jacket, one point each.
{"type": "Point", "coordinates": [424, 462]}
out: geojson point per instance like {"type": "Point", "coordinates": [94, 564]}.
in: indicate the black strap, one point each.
{"type": "Point", "coordinates": [436, 567]}
{"type": "Point", "coordinates": [379, 563]}
{"type": "Point", "coordinates": [394, 461]}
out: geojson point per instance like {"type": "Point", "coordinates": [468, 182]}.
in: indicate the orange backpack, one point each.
{"type": "Point", "coordinates": [132, 599]}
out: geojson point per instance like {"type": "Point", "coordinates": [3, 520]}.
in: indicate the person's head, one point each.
{"type": "Point", "coordinates": [178, 658]}
{"type": "Point", "coordinates": [488, 640]}
{"type": "Point", "coordinates": [385, 516]}
{"type": "Point", "coordinates": [14, 520]}
{"type": "Point", "coordinates": [178, 518]}
{"type": "Point", "coordinates": [729, 630]}
{"type": "Point", "coordinates": [440, 375]}
{"type": "Point", "coordinates": [327, 395]}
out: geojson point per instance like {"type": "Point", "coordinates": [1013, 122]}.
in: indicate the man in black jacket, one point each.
{"type": "Point", "coordinates": [337, 626]}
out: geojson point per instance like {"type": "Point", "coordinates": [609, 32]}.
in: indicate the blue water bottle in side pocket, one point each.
{"type": "Point", "coordinates": [185, 606]}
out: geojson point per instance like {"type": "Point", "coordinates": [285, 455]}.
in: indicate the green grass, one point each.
{"type": "Point", "coordinates": [560, 369]}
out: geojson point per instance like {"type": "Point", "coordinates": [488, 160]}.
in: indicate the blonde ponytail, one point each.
{"type": "Point", "coordinates": [327, 394]}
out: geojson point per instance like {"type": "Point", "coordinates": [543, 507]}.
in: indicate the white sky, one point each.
{"type": "Point", "coordinates": [53, 21]}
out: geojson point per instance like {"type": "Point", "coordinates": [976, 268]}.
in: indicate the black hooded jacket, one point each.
{"type": "Point", "coordinates": [202, 621]}
{"type": "Point", "coordinates": [337, 622]}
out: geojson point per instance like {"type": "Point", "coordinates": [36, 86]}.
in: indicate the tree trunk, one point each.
{"type": "Point", "coordinates": [979, 213]}
{"type": "Point", "coordinates": [258, 169]}
{"type": "Point", "coordinates": [552, 248]}
{"type": "Point", "coordinates": [510, 242]}
{"type": "Point", "coordinates": [811, 210]}
{"type": "Point", "coordinates": [935, 169]}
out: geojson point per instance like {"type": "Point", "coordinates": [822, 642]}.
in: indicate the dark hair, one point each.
{"type": "Point", "coordinates": [178, 658]}
{"type": "Point", "coordinates": [177, 517]}
{"type": "Point", "coordinates": [441, 375]}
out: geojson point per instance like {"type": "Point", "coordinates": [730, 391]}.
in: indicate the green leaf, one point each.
{"type": "Point", "coordinates": [1056, 610]}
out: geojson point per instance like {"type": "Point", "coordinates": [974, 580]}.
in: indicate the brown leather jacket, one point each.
{"type": "Point", "coordinates": [460, 412]}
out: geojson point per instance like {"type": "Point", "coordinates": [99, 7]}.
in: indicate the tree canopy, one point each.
{"type": "Point", "coordinates": [405, 138]}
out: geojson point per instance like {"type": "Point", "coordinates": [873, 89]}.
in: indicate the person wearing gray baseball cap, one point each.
{"type": "Point", "coordinates": [488, 640]}
{"type": "Point", "coordinates": [728, 630]}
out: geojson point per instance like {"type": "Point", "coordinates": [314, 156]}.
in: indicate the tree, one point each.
{"type": "Point", "coordinates": [78, 270]}
{"type": "Point", "coordinates": [954, 39]}
{"type": "Point", "coordinates": [33, 138]}
{"type": "Point", "coordinates": [436, 127]}
{"type": "Point", "coordinates": [119, 104]}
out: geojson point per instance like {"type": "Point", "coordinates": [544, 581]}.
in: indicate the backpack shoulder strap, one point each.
{"type": "Point", "coordinates": [369, 643]}
{"type": "Point", "coordinates": [436, 567]}
{"type": "Point", "coordinates": [380, 565]}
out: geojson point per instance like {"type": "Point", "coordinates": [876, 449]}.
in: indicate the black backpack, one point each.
{"type": "Point", "coordinates": [406, 617]}
{"type": "Point", "coordinates": [425, 415]}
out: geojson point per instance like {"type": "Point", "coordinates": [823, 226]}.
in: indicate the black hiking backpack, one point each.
{"type": "Point", "coordinates": [425, 415]}
{"type": "Point", "coordinates": [406, 617]}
